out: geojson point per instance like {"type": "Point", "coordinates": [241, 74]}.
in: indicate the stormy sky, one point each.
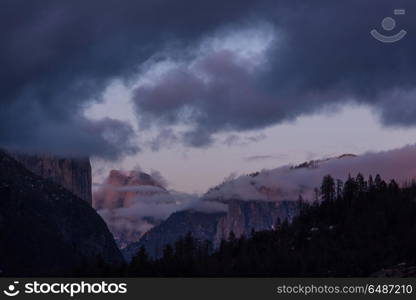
{"type": "Point", "coordinates": [204, 80]}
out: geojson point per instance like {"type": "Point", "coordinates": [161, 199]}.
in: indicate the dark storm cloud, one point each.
{"type": "Point", "coordinates": [228, 101]}
{"type": "Point", "coordinates": [238, 140]}
{"type": "Point", "coordinates": [323, 56]}
{"type": "Point", "coordinates": [58, 56]}
{"type": "Point", "coordinates": [165, 139]}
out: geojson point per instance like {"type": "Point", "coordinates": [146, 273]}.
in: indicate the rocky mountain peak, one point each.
{"type": "Point", "coordinates": [121, 190]}
{"type": "Point", "coordinates": [121, 187]}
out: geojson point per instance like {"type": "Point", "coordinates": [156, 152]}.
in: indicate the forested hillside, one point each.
{"type": "Point", "coordinates": [354, 229]}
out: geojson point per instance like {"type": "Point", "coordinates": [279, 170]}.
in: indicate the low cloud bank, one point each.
{"type": "Point", "coordinates": [288, 182]}
{"type": "Point", "coordinates": [131, 203]}
{"type": "Point", "coordinates": [161, 206]}
{"type": "Point", "coordinates": [128, 224]}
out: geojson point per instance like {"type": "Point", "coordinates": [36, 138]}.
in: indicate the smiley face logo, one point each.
{"type": "Point", "coordinates": [12, 290]}
{"type": "Point", "coordinates": [389, 24]}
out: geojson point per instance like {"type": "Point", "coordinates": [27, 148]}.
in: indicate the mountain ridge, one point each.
{"type": "Point", "coordinates": [62, 231]}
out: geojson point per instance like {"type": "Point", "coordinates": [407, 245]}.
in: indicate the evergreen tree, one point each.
{"type": "Point", "coordinates": [316, 195]}
{"type": "Point", "coordinates": [328, 189]}
{"type": "Point", "coordinates": [300, 203]}
{"type": "Point", "coordinates": [142, 257]}
{"type": "Point", "coordinates": [140, 264]}
{"type": "Point", "coordinates": [361, 184]}
{"type": "Point", "coordinates": [278, 223]}
{"type": "Point", "coordinates": [393, 187]}
{"type": "Point", "coordinates": [168, 252]}
{"type": "Point", "coordinates": [371, 185]}
{"type": "Point", "coordinates": [232, 238]}
{"type": "Point", "coordinates": [379, 183]}
{"type": "Point", "coordinates": [340, 188]}
{"type": "Point", "coordinates": [350, 189]}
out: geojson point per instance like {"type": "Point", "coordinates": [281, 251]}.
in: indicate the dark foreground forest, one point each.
{"type": "Point", "coordinates": [352, 229]}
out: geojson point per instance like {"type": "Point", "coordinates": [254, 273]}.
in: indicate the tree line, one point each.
{"type": "Point", "coordinates": [351, 229]}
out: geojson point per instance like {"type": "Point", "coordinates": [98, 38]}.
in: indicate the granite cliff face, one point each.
{"type": "Point", "coordinates": [45, 230]}
{"type": "Point", "coordinates": [242, 217]}
{"type": "Point", "coordinates": [120, 188]}
{"type": "Point", "coordinates": [73, 174]}
{"type": "Point", "coordinates": [245, 216]}
{"type": "Point", "coordinates": [202, 226]}
{"type": "Point", "coordinates": [119, 192]}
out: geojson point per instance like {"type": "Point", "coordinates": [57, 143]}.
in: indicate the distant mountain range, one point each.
{"type": "Point", "coordinates": [45, 202]}
{"type": "Point", "coordinates": [258, 200]}
{"type": "Point", "coordinates": [253, 202]}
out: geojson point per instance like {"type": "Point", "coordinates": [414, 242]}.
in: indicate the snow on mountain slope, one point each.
{"type": "Point", "coordinates": [288, 182]}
